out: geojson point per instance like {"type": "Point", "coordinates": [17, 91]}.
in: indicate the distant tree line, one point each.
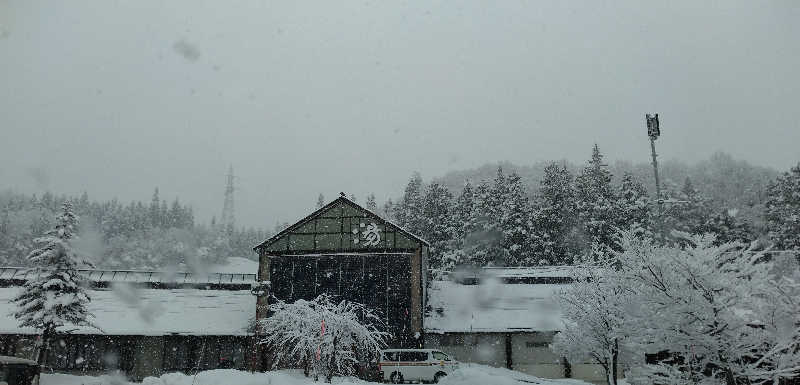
{"type": "Point", "coordinates": [505, 221]}
{"type": "Point", "coordinates": [135, 235]}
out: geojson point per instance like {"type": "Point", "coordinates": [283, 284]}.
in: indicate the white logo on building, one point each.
{"type": "Point", "coordinates": [370, 234]}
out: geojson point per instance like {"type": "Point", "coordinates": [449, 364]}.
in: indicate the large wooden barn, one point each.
{"type": "Point", "coordinates": [346, 250]}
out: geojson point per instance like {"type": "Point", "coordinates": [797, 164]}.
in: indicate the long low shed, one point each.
{"type": "Point", "coordinates": [145, 332]}
{"type": "Point", "coordinates": [502, 320]}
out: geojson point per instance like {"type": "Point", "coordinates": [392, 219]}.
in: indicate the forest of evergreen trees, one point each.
{"type": "Point", "coordinates": [114, 235]}
{"type": "Point", "coordinates": [506, 220]}
{"type": "Point", "coordinates": [547, 214]}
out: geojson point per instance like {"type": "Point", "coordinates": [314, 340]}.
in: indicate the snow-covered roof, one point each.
{"type": "Point", "coordinates": [492, 307]}
{"type": "Point", "coordinates": [130, 311]}
{"type": "Point", "coordinates": [21, 274]}
{"type": "Point", "coordinates": [541, 271]}
{"type": "Point", "coordinates": [515, 275]}
{"type": "Point", "coordinates": [7, 360]}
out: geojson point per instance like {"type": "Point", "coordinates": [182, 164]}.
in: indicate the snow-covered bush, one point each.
{"type": "Point", "coordinates": [56, 296]}
{"type": "Point", "coordinates": [716, 314]}
{"type": "Point", "coordinates": [322, 335]}
{"type": "Point", "coordinates": [718, 311]}
{"type": "Point", "coordinates": [593, 309]}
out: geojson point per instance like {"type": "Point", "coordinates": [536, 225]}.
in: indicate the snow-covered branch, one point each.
{"type": "Point", "coordinates": [322, 335]}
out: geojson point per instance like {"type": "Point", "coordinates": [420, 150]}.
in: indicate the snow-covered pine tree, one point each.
{"type": "Point", "coordinates": [463, 209]}
{"type": "Point", "coordinates": [555, 218]}
{"type": "Point", "coordinates": [727, 227]}
{"type": "Point", "coordinates": [494, 200]}
{"type": "Point", "coordinates": [371, 204]}
{"type": "Point", "coordinates": [175, 216]}
{"type": "Point", "coordinates": [783, 210]}
{"type": "Point", "coordinates": [408, 212]}
{"type": "Point", "coordinates": [690, 213]}
{"type": "Point", "coordinates": [481, 244]}
{"type": "Point", "coordinates": [154, 210]}
{"type": "Point", "coordinates": [634, 204]}
{"type": "Point", "coordinates": [388, 210]}
{"type": "Point", "coordinates": [462, 212]}
{"type": "Point", "coordinates": [320, 201]}
{"type": "Point", "coordinates": [188, 217]}
{"type": "Point", "coordinates": [326, 337]}
{"type": "Point", "coordinates": [596, 202]}
{"type": "Point", "coordinates": [163, 213]}
{"type": "Point", "coordinates": [82, 204]}
{"type": "Point", "coordinates": [438, 222]}
{"type": "Point", "coordinates": [515, 222]}
{"type": "Point", "coordinates": [56, 297]}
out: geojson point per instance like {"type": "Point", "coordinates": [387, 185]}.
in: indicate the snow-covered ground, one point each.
{"type": "Point", "coordinates": [474, 374]}
{"type": "Point", "coordinates": [468, 374]}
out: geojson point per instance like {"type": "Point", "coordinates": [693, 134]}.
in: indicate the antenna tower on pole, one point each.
{"type": "Point", "coordinates": [654, 131]}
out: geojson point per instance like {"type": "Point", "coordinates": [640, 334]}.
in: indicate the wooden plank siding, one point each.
{"type": "Point", "coordinates": [327, 252]}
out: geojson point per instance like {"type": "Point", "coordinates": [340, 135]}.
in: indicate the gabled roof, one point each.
{"type": "Point", "coordinates": [335, 228]}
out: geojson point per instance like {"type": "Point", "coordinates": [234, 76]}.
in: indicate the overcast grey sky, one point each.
{"type": "Point", "coordinates": [117, 97]}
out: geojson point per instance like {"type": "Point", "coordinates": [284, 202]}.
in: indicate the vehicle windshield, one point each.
{"type": "Point", "coordinates": [441, 356]}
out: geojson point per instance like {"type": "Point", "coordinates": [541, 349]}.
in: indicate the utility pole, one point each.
{"type": "Point", "coordinates": [653, 131]}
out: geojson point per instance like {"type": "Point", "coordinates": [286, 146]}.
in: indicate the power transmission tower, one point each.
{"type": "Point", "coordinates": [228, 218]}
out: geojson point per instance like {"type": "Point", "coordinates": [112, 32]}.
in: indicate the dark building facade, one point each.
{"type": "Point", "coordinates": [349, 252]}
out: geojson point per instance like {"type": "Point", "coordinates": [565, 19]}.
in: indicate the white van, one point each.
{"type": "Point", "coordinates": [401, 365]}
